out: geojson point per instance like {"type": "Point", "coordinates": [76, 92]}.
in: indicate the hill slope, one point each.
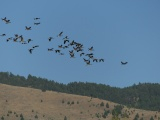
{"type": "Point", "coordinates": [20, 102]}
{"type": "Point", "coordinates": [142, 96]}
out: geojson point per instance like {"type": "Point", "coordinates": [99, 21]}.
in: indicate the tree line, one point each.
{"type": "Point", "coordinates": [143, 96]}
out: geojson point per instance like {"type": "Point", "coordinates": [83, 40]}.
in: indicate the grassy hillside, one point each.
{"type": "Point", "coordinates": [142, 96]}
{"type": "Point", "coordinates": [18, 103]}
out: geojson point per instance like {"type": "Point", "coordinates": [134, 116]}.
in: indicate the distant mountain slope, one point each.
{"type": "Point", "coordinates": [22, 103]}
{"type": "Point", "coordinates": [142, 96]}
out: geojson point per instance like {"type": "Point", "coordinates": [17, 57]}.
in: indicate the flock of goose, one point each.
{"type": "Point", "coordinates": [71, 46]}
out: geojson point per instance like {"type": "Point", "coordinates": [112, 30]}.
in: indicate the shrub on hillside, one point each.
{"type": "Point", "coordinates": [107, 105]}
{"type": "Point", "coordinates": [65, 118]}
{"type": "Point", "coordinates": [2, 118]}
{"type": "Point", "coordinates": [102, 104]}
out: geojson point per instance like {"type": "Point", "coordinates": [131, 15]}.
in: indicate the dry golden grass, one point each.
{"type": "Point", "coordinates": [49, 106]}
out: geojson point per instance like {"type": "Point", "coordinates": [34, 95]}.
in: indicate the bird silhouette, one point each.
{"type": "Point", "coordinates": [8, 39]}
{"type": "Point", "coordinates": [29, 40]}
{"type": "Point", "coordinates": [35, 46]}
{"type": "Point", "coordinates": [66, 46]}
{"type": "Point", "coordinates": [21, 38]}
{"type": "Point", "coordinates": [7, 21]}
{"type": "Point", "coordinates": [30, 50]}
{"type": "Point", "coordinates": [71, 55]}
{"type": "Point", "coordinates": [4, 19]}
{"type": "Point", "coordinates": [50, 49]}
{"type": "Point", "coordinates": [60, 34]}
{"type": "Point", "coordinates": [66, 37]}
{"type": "Point", "coordinates": [37, 23]}
{"type": "Point", "coordinates": [3, 35]}
{"type": "Point", "coordinates": [60, 46]}
{"type": "Point", "coordinates": [57, 51]}
{"type": "Point", "coordinates": [82, 53]}
{"type": "Point", "coordinates": [36, 18]}
{"type": "Point", "coordinates": [101, 60]}
{"type": "Point", "coordinates": [28, 28]}
{"type": "Point", "coordinates": [124, 63]}
{"type": "Point", "coordinates": [95, 60]}
{"type": "Point", "coordinates": [66, 41]}
{"type": "Point", "coordinates": [50, 38]}
{"type": "Point", "coordinates": [15, 39]}
{"type": "Point", "coordinates": [90, 49]}
{"type": "Point", "coordinates": [88, 62]}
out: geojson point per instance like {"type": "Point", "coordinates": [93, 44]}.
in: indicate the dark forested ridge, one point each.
{"type": "Point", "coordinates": [143, 96]}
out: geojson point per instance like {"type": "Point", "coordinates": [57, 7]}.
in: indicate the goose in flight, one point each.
{"type": "Point", "coordinates": [7, 21]}
{"type": "Point", "coordinates": [21, 38]}
{"type": "Point", "coordinates": [71, 55]}
{"type": "Point", "coordinates": [3, 35]}
{"type": "Point", "coordinates": [101, 60]}
{"type": "Point", "coordinates": [124, 63]}
{"type": "Point", "coordinates": [50, 38]}
{"type": "Point", "coordinates": [60, 46]}
{"type": "Point", "coordinates": [65, 46]}
{"type": "Point", "coordinates": [28, 28]}
{"type": "Point", "coordinates": [8, 39]}
{"type": "Point", "coordinates": [88, 62]}
{"type": "Point", "coordinates": [29, 40]}
{"type": "Point", "coordinates": [82, 54]}
{"type": "Point", "coordinates": [15, 39]}
{"type": "Point", "coordinates": [66, 37]}
{"type": "Point", "coordinates": [37, 23]}
{"type": "Point", "coordinates": [30, 50]}
{"type": "Point", "coordinates": [50, 49]}
{"type": "Point", "coordinates": [35, 46]}
{"type": "Point", "coordinates": [95, 60]}
{"type": "Point", "coordinates": [90, 49]}
{"type": "Point", "coordinates": [66, 41]}
{"type": "Point", "coordinates": [57, 51]}
{"type": "Point", "coordinates": [36, 18]}
{"type": "Point", "coordinates": [72, 43]}
{"type": "Point", "coordinates": [16, 35]}
{"type": "Point", "coordinates": [4, 19]}
{"type": "Point", "coordinates": [60, 34]}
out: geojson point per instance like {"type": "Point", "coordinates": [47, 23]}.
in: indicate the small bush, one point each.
{"type": "Point", "coordinates": [107, 105]}
{"type": "Point", "coordinates": [63, 101]}
{"type": "Point", "coordinates": [72, 102]}
{"type": "Point", "coordinates": [43, 90]}
{"type": "Point", "coordinates": [22, 118]}
{"type": "Point", "coordinates": [151, 118]}
{"type": "Point", "coordinates": [2, 118]}
{"type": "Point", "coordinates": [36, 116]}
{"type": "Point", "coordinates": [10, 111]}
{"type": "Point", "coordinates": [68, 102]}
{"type": "Point", "coordinates": [21, 115]}
{"type": "Point", "coordinates": [65, 118]}
{"type": "Point", "coordinates": [102, 104]}
{"type": "Point", "coordinates": [141, 118]}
